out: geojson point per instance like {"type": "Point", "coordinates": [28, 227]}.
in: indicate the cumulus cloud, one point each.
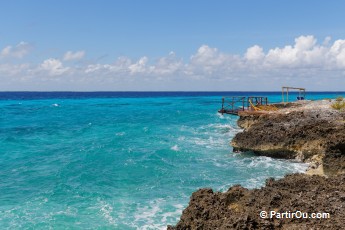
{"type": "Point", "coordinates": [121, 65]}
{"type": "Point", "coordinates": [305, 62]}
{"type": "Point", "coordinates": [168, 65]}
{"type": "Point", "coordinates": [337, 53]}
{"type": "Point", "coordinates": [53, 67]}
{"type": "Point", "coordinates": [254, 53]}
{"type": "Point", "coordinates": [208, 57]}
{"type": "Point", "coordinates": [125, 66]}
{"type": "Point", "coordinates": [210, 61]}
{"type": "Point", "coordinates": [72, 56]}
{"type": "Point", "coordinates": [304, 53]}
{"type": "Point", "coordinates": [140, 66]}
{"type": "Point", "coordinates": [18, 51]}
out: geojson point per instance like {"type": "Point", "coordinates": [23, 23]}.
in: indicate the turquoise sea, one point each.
{"type": "Point", "coordinates": [107, 160]}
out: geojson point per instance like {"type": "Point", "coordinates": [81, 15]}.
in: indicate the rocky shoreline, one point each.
{"type": "Point", "coordinates": [309, 131]}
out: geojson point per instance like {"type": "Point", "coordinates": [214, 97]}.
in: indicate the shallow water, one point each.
{"type": "Point", "coordinates": [117, 160]}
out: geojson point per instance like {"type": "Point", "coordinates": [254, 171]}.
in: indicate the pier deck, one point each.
{"type": "Point", "coordinates": [234, 105]}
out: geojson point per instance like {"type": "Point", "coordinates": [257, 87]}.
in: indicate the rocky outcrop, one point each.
{"type": "Point", "coordinates": [310, 132]}
{"type": "Point", "coordinates": [240, 208]}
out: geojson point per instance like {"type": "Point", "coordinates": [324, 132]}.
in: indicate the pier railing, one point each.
{"type": "Point", "coordinates": [235, 104]}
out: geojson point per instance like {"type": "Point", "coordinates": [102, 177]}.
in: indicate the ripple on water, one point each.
{"type": "Point", "coordinates": [102, 163]}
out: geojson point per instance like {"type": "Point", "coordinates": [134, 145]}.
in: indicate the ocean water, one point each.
{"type": "Point", "coordinates": [108, 160]}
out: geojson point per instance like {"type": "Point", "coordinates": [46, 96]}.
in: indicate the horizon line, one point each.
{"type": "Point", "coordinates": [154, 91]}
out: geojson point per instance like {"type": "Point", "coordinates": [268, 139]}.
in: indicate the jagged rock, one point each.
{"type": "Point", "coordinates": [309, 131]}
{"type": "Point", "coordinates": [300, 132]}
{"type": "Point", "coordinates": [240, 208]}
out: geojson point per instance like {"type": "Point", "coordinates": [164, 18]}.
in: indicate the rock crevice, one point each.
{"type": "Point", "coordinates": [302, 132]}
{"type": "Point", "coordinates": [309, 131]}
{"type": "Point", "coordinates": [239, 208]}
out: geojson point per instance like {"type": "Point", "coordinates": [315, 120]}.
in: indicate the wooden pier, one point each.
{"type": "Point", "coordinates": [234, 105]}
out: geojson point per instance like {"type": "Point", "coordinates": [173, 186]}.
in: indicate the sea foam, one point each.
{"type": "Point", "coordinates": [117, 162]}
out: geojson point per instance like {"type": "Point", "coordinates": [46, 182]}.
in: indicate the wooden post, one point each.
{"type": "Point", "coordinates": [283, 94]}
{"type": "Point", "coordinates": [287, 95]}
{"type": "Point", "coordinates": [304, 94]}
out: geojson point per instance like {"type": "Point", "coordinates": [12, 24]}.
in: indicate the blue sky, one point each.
{"type": "Point", "coordinates": [171, 45]}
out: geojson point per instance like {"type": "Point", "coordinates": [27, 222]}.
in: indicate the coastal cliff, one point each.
{"type": "Point", "coordinates": [309, 131]}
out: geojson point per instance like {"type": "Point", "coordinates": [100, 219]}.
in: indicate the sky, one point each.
{"type": "Point", "coordinates": [152, 45]}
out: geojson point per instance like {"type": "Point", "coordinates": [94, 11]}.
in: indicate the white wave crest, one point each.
{"type": "Point", "coordinates": [175, 148]}
{"type": "Point", "coordinates": [106, 210]}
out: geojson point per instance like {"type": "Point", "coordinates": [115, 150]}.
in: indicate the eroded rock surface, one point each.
{"type": "Point", "coordinates": [301, 132]}
{"type": "Point", "coordinates": [309, 131]}
{"type": "Point", "coordinates": [240, 208]}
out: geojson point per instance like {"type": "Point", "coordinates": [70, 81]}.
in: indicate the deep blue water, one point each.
{"type": "Point", "coordinates": [119, 160]}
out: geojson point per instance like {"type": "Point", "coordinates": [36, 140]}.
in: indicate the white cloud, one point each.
{"type": "Point", "coordinates": [168, 65]}
{"type": "Point", "coordinates": [19, 51]}
{"type": "Point", "coordinates": [121, 65]}
{"type": "Point", "coordinates": [304, 54]}
{"type": "Point", "coordinates": [53, 67]}
{"type": "Point", "coordinates": [208, 57]}
{"type": "Point", "coordinates": [326, 41]}
{"type": "Point", "coordinates": [305, 62]}
{"type": "Point", "coordinates": [303, 43]}
{"type": "Point", "coordinates": [254, 53]}
{"type": "Point", "coordinates": [140, 66]}
{"type": "Point", "coordinates": [13, 70]}
{"type": "Point", "coordinates": [337, 53]}
{"type": "Point", "coordinates": [211, 62]}
{"type": "Point", "coordinates": [72, 56]}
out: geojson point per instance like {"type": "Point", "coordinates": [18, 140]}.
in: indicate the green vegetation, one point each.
{"type": "Point", "coordinates": [340, 98]}
{"type": "Point", "coordinates": [339, 103]}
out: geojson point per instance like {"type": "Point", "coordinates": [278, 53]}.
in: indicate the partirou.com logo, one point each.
{"type": "Point", "coordinates": [292, 215]}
